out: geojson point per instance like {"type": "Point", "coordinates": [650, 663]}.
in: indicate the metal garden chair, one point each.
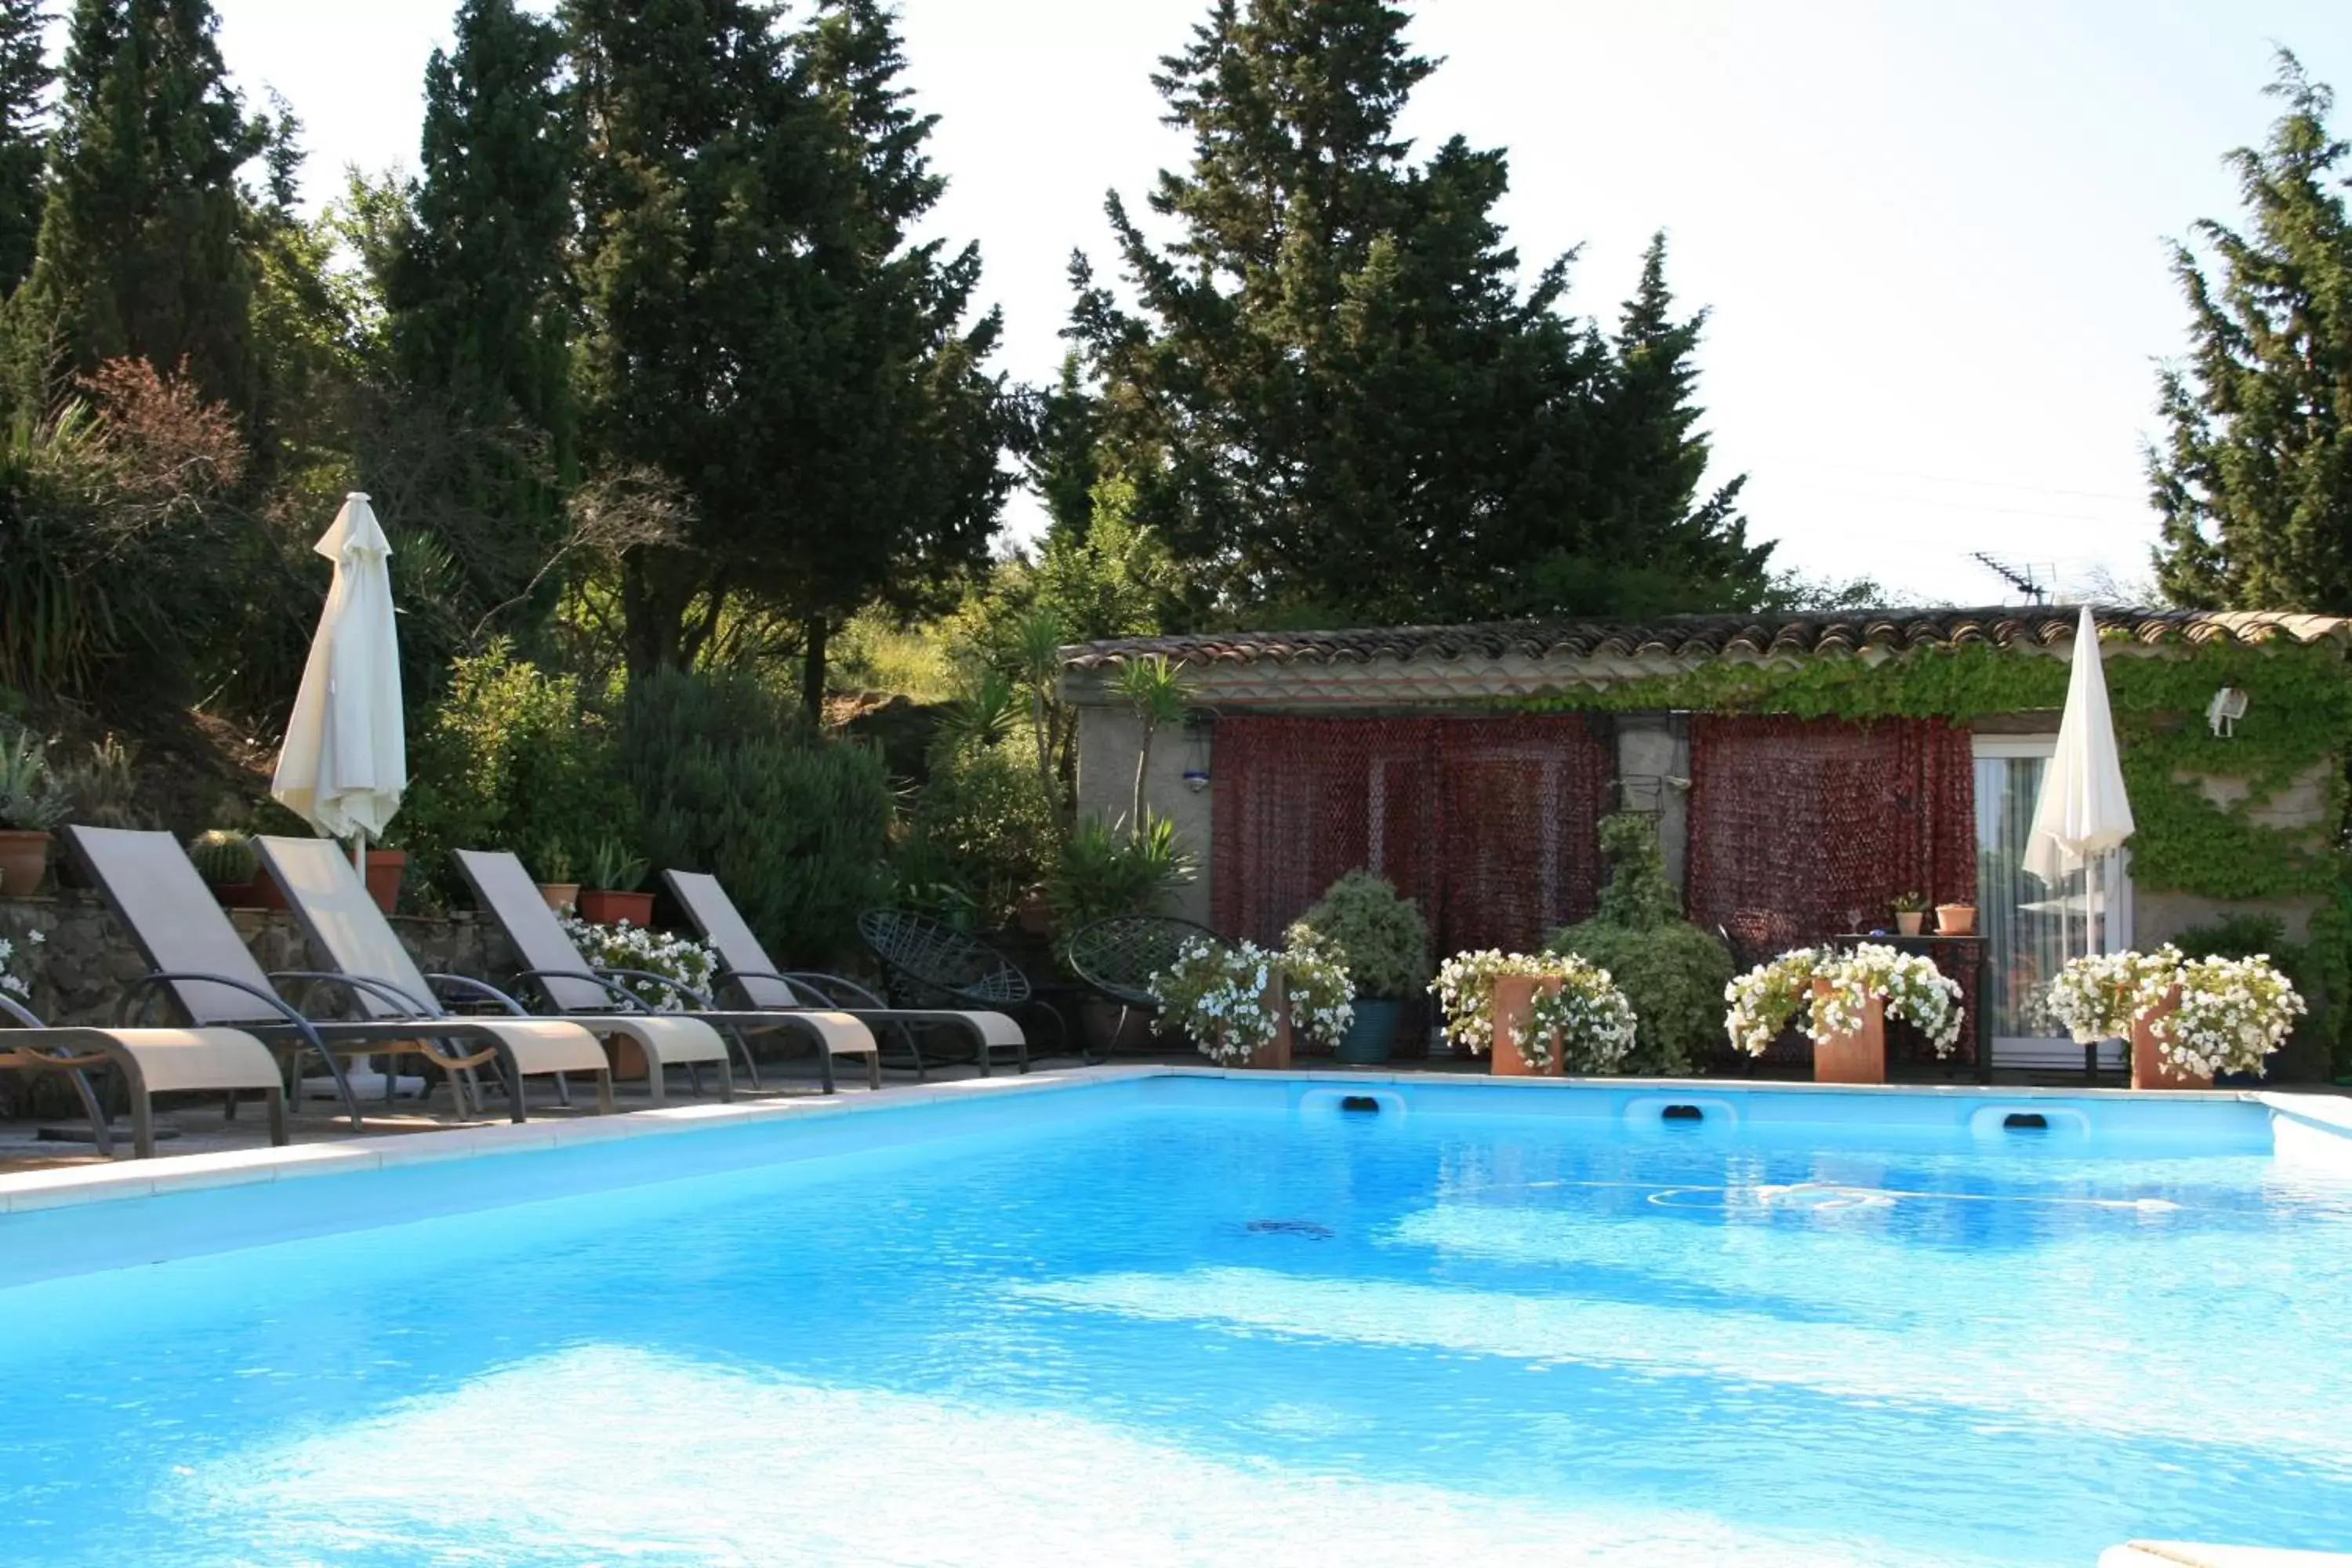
{"type": "Point", "coordinates": [1117, 957]}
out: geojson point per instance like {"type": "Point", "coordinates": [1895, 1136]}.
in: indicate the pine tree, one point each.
{"type": "Point", "coordinates": [1333, 393]}
{"type": "Point", "coordinates": [141, 251]}
{"type": "Point", "coordinates": [2255, 481]}
{"type": "Point", "coordinates": [24, 78]}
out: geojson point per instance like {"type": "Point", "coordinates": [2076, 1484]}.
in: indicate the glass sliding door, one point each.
{"type": "Point", "coordinates": [2032, 928]}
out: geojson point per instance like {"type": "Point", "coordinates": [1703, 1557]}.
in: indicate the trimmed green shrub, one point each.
{"type": "Point", "coordinates": [1671, 970]}
{"type": "Point", "coordinates": [980, 835]}
{"type": "Point", "coordinates": [730, 780]}
{"type": "Point", "coordinates": [512, 757]}
{"type": "Point", "coordinates": [1381, 933]}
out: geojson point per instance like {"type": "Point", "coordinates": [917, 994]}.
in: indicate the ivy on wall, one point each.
{"type": "Point", "coordinates": [2295, 733]}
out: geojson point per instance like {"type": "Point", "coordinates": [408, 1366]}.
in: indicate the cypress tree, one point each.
{"type": "Point", "coordinates": [760, 329]}
{"type": "Point", "coordinates": [1332, 392]}
{"type": "Point", "coordinates": [479, 304]}
{"type": "Point", "coordinates": [24, 78]}
{"type": "Point", "coordinates": [140, 248]}
{"type": "Point", "coordinates": [1654, 544]}
{"type": "Point", "coordinates": [2254, 480]}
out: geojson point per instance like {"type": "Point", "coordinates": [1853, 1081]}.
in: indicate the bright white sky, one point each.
{"type": "Point", "coordinates": [1930, 235]}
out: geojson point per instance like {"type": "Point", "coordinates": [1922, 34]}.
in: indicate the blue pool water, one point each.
{"type": "Point", "coordinates": [1155, 1325]}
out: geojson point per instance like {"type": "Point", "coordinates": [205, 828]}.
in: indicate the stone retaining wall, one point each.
{"type": "Point", "coordinates": [80, 968]}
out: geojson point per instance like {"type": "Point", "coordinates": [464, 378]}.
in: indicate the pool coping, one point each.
{"type": "Point", "coordinates": [30, 1190]}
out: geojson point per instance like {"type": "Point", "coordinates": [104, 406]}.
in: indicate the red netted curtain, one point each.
{"type": "Point", "coordinates": [1802, 829]}
{"type": "Point", "coordinates": [1489, 823]}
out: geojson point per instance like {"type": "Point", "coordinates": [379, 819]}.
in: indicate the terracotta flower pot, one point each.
{"type": "Point", "coordinates": [1956, 919]}
{"type": "Point", "coordinates": [559, 896]}
{"type": "Point", "coordinates": [606, 906]}
{"type": "Point", "coordinates": [1513, 1005]}
{"type": "Point", "coordinates": [1908, 921]}
{"type": "Point", "coordinates": [24, 858]}
{"type": "Point", "coordinates": [384, 870]}
{"type": "Point", "coordinates": [261, 893]}
{"type": "Point", "coordinates": [1858, 1057]}
{"type": "Point", "coordinates": [1275, 1055]}
{"type": "Point", "coordinates": [2148, 1067]}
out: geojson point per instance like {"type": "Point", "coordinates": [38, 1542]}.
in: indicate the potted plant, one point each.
{"type": "Point", "coordinates": [385, 869]}
{"type": "Point", "coordinates": [1538, 1016]}
{"type": "Point", "coordinates": [613, 895]}
{"type": "Point", "coordinates": [2188, 1019]}
{"type": "Point", "coordinates": [1845, 998]}
{"type": "Point", "coordinates": [32, 805]}
{"type": "Point", "coordinates": [1911, 913]}
{"type": "Point", "coordinates": [1100, 870]}
{"type": "Point", "coordinates": [1956, 919]}
{"type": "Point", "coordinates": [558, 883]}
{"type": "Point", "coordinates": [1384, 942]}
{"type": "Point", "coordinates": [231, 867]}
{"type": "Point", "coordinates": [1240, 1004]}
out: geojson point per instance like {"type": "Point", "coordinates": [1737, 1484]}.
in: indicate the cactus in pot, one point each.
{"type": "Point", "coordinates": [224, 856]}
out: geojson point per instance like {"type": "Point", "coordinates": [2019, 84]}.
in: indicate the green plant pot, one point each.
{"type": "Point", "coordinates": [1372, 1035]}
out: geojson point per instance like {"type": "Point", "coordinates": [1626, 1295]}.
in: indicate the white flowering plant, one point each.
{"type": "Point", "coordinates": [11, 981]}
{"type": "Point", "coordinates": [2232, 1012]}
{"type": "Point", "coordinates": [1765, 998]}
{"type": "Point", "coordinates": [1217, 993]}
{"type": "Point", "coordinates": [1588, 1015]}
{"type": "Point", "coordinates": [2101, 997]}
{"type": "Point", "coordinates": [624, 946]}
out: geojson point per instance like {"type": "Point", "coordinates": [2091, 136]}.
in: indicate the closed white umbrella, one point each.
{"type": "Point", "coordinates": [345, 762]}
{"type": "Point", "coordinates": [2083, 812]}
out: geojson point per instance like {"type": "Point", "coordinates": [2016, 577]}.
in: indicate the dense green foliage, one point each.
{"type": "Point", "coordinates": [1333, 394]}
{"type": "Point", "coordinates": [2254, 481]}
{"type": "Point", "coordinates": [513, 757]}
{"type": "Point", "coordinates": [980, 839]}
{"type": "Point", "coordinates": [1380, 933]}
{"type": "Point", "coordinates": [1672, 972]}
{"type": "Point", "coordinates": [730, 780]}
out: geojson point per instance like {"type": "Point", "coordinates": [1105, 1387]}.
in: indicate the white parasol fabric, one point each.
{"type": "Point", "coordinates": [345, 762]}
{"type": "Point", "coordinates": [2083, 812]}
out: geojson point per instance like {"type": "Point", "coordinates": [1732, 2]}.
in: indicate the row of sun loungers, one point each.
{"type": "Point", "coordinates": [248, 1030]}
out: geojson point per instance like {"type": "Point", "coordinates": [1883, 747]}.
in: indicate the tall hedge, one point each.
{"type": "Point", "coordinates": [731, 781]}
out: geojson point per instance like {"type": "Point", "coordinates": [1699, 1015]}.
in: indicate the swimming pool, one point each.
{"type": "Point", "coordinates": [1197, 1319]}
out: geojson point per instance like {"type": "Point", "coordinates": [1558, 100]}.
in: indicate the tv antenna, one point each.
{"type": "Point", "coordinates": [2024, 579]}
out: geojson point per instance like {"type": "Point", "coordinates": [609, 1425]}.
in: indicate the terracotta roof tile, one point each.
{"type": "Point", "coordinates": [1707, 636]}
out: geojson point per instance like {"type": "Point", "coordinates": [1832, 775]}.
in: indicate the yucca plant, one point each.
{"type": "Point", "coordinates": [33, 799]}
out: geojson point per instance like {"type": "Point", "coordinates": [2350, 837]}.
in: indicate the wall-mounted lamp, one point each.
{"type": "Point", "coordinates": [1197, 722]}
{"type": "Point", "coordinates": [2229, 706]}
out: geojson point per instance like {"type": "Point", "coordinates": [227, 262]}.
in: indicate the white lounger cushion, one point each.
{"type": "Point", "coordinates": [997, 1028]}
{"type": "Point", "coordinates": [666, 1038]}
{"type": "Point", "coordinates": [539, 1044]}
{"type": "Point", "coordinates": [173, 1060]}
{"type": "Point", "coordinates": [843, 1035]}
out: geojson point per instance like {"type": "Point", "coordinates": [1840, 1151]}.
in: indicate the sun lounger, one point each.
{"type": "Point", "coordinates": [198, 960]}
{"type": "Point", "coordinates": [335, 909]}
{"type": "Point", "coordinates": [152, 1062]}
{"type": "Point", "coordinates": [552, 965]}
{"type": "Point", "coordinates": [747, 969]}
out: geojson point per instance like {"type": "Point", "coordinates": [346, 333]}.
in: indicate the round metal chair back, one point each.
{"type": "Point", "coordinates": [1119, 957]}
{"type": "Point", "coordinates": [927, 961]}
